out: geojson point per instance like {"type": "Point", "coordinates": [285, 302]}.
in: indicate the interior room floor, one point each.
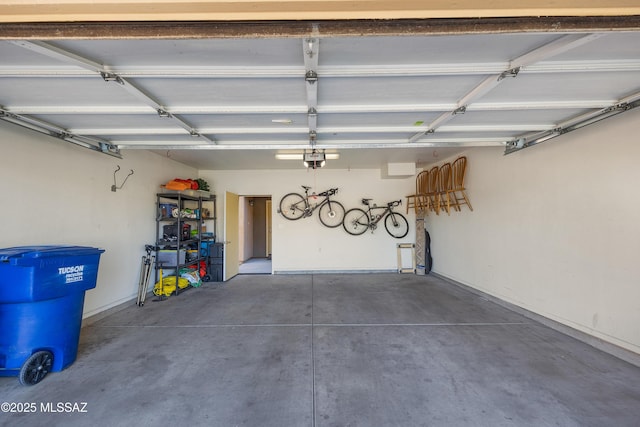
{"type": "Point", "coordinates": [255, 266]}
{"type": "Point", "coordinates": [331, 350]}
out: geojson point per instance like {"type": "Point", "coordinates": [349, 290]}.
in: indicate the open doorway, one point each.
{"type": "Point", "coordinates": [255, 235]}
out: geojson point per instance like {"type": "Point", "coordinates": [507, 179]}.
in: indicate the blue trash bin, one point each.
{"type": "Point", "coordinates": [42, 292]}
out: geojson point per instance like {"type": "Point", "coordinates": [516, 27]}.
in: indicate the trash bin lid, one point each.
{"type": "Point", "coordinates": [30, 252]}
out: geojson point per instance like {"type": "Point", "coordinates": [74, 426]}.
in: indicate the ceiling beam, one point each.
{"type": "Point", "coordinates": [310, 52]}
{"type": "Point", "coordinates": [54, 130]}
{"type": "Point", "coordinates": [407, 70]}
{"type": "Point", "coordinates": [161, 110]}
{"type": "Point", "coordinates": [62, 55]}
{"type": "Point", "coordinates": [301, 145]}
{"type": "Point", "coordinates": [300, 109]}
{"type": "Point", "coordinates": [541, 53]}
{"type": "Point", "coordinates": [627, 103]}
{"type": "Point", "coordinates": [556, 47]}
{"type": "Point", "coordinates": [108, 76]}
{"type": "Point", "coordinates": [303, 130]}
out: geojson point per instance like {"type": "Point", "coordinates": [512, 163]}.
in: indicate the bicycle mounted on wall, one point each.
{"type": "Point", "coordinates": [357, 221]}
{"type": "Point", "coordinates": [295, 206]}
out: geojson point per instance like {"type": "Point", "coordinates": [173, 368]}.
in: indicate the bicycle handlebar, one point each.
{"type": "Point", "coordinates": [394, 203]}
{"type": "Point", "coordinates": [329, 192]}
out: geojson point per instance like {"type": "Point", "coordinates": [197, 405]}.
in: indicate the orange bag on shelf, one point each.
{"type": "Point", "coordinates": [182, 184]}
{"type": "Point", "coordinates": [177, 185]}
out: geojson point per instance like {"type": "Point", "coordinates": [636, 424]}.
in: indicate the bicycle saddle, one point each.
{"type": "Point", "coordinates": [366, 201]}
{"type": "Point", "coordinates": [306, 188]}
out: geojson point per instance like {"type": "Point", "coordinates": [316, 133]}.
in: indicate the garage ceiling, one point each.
{"type": "Point", "coordinates": [233, 103]}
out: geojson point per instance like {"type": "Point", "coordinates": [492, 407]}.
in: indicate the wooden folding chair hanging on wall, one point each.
{"type": "Point", "coordinates": [432, 190]}
{"type": "Point", "coordinates": [459, 194]}
{"type": "Point", "coordinates": [441, 188]}
{"type": "Point", "coordinates": [445, 188]}
{"type": "Point", "coordinates": [417, 200]}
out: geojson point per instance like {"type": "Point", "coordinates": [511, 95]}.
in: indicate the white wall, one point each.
{"type": "Point", "coordinates": [307, 245]}
{"type": "Point", "coordinates": [56, 193]}
{"type": "Point", "coordinates": [555, 229]}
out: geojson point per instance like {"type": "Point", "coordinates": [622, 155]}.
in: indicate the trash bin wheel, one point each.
{"type": "Point", "coordinates": [36, 368]}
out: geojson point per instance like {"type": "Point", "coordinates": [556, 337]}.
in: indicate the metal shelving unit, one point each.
{"type": "Point", "coordinates": [174, 230]}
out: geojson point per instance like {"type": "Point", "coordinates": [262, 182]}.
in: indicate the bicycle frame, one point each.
{"type": "Point", "coordinates": [308, 207]}
{"type": "Point", "coordinates": [307, 202]}
{"type": "Point", "coordinates": [294, 206]}
{"type": "Point", "coordinates": [357, 221]}
{"type": "Point", "coordinates": [375, 219]}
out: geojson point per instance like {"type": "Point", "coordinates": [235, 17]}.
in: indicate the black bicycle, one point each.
{"type": "Point", "coordinates": [295, 206]}
{"type": "Point", "coordinates": [356, 221]}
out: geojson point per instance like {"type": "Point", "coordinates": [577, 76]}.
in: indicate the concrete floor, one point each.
{"type": "Point", "coordinates": [331, 350]}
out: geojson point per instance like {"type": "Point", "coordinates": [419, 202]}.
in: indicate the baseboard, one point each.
{"type": "Point", "coordinates": [607, 347]}
{"type": "Point", "coordinates": [116, 308]}
{"type": "Point", "coordinates": [333, 271]}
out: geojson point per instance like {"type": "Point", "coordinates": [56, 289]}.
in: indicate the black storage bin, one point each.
{"type": "Point", "coordinates": [170, 231]}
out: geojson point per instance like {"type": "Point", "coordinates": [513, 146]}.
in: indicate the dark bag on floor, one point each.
{"type": "Point", "coordinates": [428, 261]}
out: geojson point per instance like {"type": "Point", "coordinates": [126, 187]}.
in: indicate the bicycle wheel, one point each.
{"type": "Point", "coordinates": [356, 221]}
{"type": "Point", "coordinates": [397, 225]}
{"type": "Point", "coordinates": [331, 214]}
{"type": "Point", "coordinates": [292, 206]}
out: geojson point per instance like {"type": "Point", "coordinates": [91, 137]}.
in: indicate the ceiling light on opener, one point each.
{"type": "Point", "coordinates": [314, 159]}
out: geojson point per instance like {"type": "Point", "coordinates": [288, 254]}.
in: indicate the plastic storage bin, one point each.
{"type": "Point", "coordinates": [42, 292]}
{"type": "Point", "coordinates": [166, 210]}
{"type": "Point", "coordinates": [170, 257]}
